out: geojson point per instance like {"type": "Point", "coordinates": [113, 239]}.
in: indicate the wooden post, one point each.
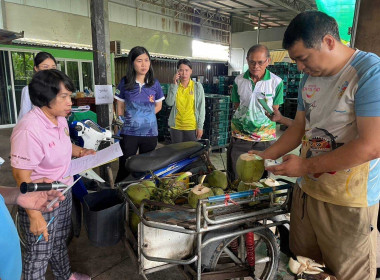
{"type": "Point", "coordinates": [367, 28]}
{"type": "Point", "coordinates": [102, 63]}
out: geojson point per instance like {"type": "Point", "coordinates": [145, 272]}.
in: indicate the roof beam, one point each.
{"type": "Point", "coordinates": [200, 1]}
{"type": "Point", "coordinates": [250, 10]}
{"type": "Point", "coordinates": [296, 6]}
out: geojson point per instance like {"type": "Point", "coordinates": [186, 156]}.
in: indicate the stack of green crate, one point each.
{"type": "Point", "coordinates": [222, 85]}
{"type": "Point", "coordinates": [291, 77]}
{"type": "Point", "coordinates": [281, 69]}
{"type": "Point", "coordinates": [165, 88]}
{"type": "Point", "coordinates": [294, 78]}
{"type": "Point", "coordinates": [217, 124]}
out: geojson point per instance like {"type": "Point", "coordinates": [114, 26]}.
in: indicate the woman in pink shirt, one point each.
{"type": "Point", "coordinates": [41, 148]}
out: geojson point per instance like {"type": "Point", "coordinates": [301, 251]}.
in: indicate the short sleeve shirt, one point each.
{"type": "Point", "coordinates": [140, 117]}
{"type": "Point", "coordinates": [41, 146]}
{"type": "Point", "coordinates": [10, 251]}
{"type": "Point", "coordinates": [331, 106]}
{"type": "Point", "coordinates": [249, 121]}
{"type": "Point", "coordinates": [185, 117]}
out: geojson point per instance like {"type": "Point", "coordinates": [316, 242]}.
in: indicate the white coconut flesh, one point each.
{"type": "Point", "coordinates": [200, 190]}
{"type": "Point", "coordinates": [270, 182]}
{"type": "Point", "coordinates": [249, 157]}
{"type": "Point", "coordinates": [304, 265]}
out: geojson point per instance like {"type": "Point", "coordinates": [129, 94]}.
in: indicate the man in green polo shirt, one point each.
{"type": "Point", "coordinates": [251, 128]}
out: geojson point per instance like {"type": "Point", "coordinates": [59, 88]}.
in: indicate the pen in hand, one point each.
{"type": "Point", "coordinates": [50, 205]}
{"type": "Point", "coordinates": [40, 237]}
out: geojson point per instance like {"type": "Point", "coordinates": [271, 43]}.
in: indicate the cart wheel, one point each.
{"type": "Point", "coordinates": [230, 254]}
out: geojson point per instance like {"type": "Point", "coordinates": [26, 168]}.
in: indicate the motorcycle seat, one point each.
{"type": "Point", "coordinates": [162, 157]}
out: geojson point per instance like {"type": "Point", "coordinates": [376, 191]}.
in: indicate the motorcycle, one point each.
{"type": "Point", "coordinates": [170, 159]}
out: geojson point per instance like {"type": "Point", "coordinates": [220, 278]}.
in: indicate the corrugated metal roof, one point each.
{"type": "Point", "coordinates": [55, 44]}
{"type": "Point", "coordinates": [7, 36]}
{"type": "Point", "coordinates": [85, 47]}
{"type": "Point", "coordinates": [274, 13]}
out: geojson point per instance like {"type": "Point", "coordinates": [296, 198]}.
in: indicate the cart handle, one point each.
{"type": "Point", "coordinates": [248, 193]}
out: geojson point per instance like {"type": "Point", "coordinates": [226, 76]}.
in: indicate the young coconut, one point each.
{"type": "Point", "coordinates": [304, 265]}
{"type": "Point", "coordinates": [134, 221]}
{"type": "Point", "coordinates": [199, 192]}
{"type": "Point", "coordinates": [250, 167]}
{"type": "Point", "coordinates": [217, 179]}
{"type": "Point", "coordinates": [137, 193]}
{"type": "Point", "coordinates": [150, 185]}
{"type": "Point", "coordinates": [175, 187]}
{"type": "Point", "coordinates": [217, 191]}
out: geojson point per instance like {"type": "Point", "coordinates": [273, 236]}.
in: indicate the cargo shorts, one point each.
{"type": "Point", "coordinates": [343, 238]}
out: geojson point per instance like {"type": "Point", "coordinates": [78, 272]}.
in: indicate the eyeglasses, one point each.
{"type": "Point", "coordinates": [260, 63]}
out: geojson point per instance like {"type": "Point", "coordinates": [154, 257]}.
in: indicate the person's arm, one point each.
{"type": "Point", "coordinates": [120, 98]}
{"type": "Point", "coordinates": [235, 99]}
{"type": "Point", "coordinates": [26, 105]}
{"type": "Point", "coordinates": [120, 105]}
{"type": "Point", "coordinates": [288, 141]}
{"type": "Point", "coordinates": [34, 200]}
{"type": "Point", "coordinates": [157, 107]}
{"type": "Point", "coordinates": [278, 100]}
{"type": "Point", "coordinates": [37, 221]}
{"type": "Point", "coordinates": [172, 95]}
{"type": "Point", "coordinates": [202, 110]}
{"type": "Point", "coordinates": [159, 97]}
{"type": "Point", "coordinates": [363, 149]}
{"type": "Point", "coordinates": [279, 118]}
{"type": "Point", "coordinates": [81, 152]}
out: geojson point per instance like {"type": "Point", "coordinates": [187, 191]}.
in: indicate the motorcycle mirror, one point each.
{"type": "Point", "coordinates": [78, 128]}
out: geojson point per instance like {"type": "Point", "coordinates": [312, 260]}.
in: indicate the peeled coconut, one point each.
{"type": "Point", "coordinates": [137, 193]}
{"type": "Point", "coordinates": [150, 185]}
{"type": "Point", "coordinates": [248, 186]}
{"type": "Point", "coordinates": [269, 182]}
{"type": "Point", "coordinates": [217, 179]}
{"type": "Point", "coordinates": [250, 167]}
{"type": "Point", "coordinates": [134, 221]}
{"type": "Point", "coordinates": [217, 191]}
{"type": "Point", "coordinates": [304, 265]}
{"type": "Point", "coordinates": [199, 192]}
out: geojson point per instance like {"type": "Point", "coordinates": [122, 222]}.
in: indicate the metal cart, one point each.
{"type": "Point", "coordinates": [226, 236]}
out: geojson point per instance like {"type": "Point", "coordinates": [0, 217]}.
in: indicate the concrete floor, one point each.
{"type": "Point", "coordinates": [112, 262]}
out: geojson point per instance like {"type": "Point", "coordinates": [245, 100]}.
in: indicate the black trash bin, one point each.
{"type": "Point", "coordinates": [104, 217]}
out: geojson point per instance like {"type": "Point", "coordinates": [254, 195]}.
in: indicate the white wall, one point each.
{"type": "Point", "coordinates": [160, 30]}
{"type": "Point", "coordinates": [57, 26]}
{"type": "Point", "coordinates": [242, 41]}
{"type": "Point", "coordinates": [2, 19]}
{"type": "Point", "coordinates": [272, 38]}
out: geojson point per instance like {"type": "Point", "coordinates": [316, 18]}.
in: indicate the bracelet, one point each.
{"type": "Point", "coordinates": [81, 152]}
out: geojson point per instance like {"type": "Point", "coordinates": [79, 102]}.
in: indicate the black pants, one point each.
{"type": "Point", "coordinates": [130, 145]}
{"type": "Point", "coordinates": [178, 136]}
